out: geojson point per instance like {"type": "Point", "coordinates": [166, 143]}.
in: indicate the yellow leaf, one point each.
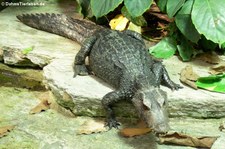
{"type": "Point", "coordinates": [119, 23]}
{"type": "Point", "coordinates": [134, 27]}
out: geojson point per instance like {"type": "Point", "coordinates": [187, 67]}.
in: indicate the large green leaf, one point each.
{"type": "Point", "coordinates": [140, 21]}
{"type": "Point", "coordinates": [209, 19]}
{"type": "Point", "coordinates": [103, 7]}
{"type": "Point", "coordinates": [185, 49]}
{"type": "Point", "coordinates": [85, 8]}
{"type": "Point", "coordinates": [164, 49]}
{"type": "Point", "coordinates": [207, 44]}
{"type": "Point", "coordinates": [173, 6]}
{"type": "Point", "coordinates": [162, 5]}
{"type": "Point", "coordinates": [184, 22]}
{"type": "Point", "coordinates": [137, 7]}
{"type": "Point", "coordinates": [213, 83]}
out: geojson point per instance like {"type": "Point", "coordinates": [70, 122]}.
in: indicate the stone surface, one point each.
{"type": "Point", "coordinates": [24, 78]}
{"type": "Point", "coordinates": [86, 92]}
{"type": "Point", "coordinates": [50, 130]}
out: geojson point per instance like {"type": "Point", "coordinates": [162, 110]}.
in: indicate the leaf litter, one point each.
{"type": "Point", "coordinates": [187, 140]}
{"type": "Point", "coordinates": [189, 77]}
{"type": "Point", "coordinates": [5, 130]}
{"type": "Point", "coordinates": [43, 105]}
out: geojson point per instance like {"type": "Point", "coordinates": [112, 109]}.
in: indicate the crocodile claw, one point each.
{"type": "Point", "coordinates": [112, 123]}
{"type": "Point", "coordinates": [176, 87]}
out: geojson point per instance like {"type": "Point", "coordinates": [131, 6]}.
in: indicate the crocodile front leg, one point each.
{"type": "Point", "coordinates": [79, 63]}
{"type": "Point", "coordinates": [162, 76]}
{"type": "Point", "coordinates": [135, 35]}
{"type": "Point", "coordinates": [107, 102]}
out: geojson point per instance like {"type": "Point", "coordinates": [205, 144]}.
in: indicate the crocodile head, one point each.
{"type": "Point", "coordinates": [151, 106]}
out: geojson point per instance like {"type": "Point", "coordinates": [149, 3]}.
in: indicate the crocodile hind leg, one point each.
{"type": "Point", "coordinates": [79, 63]}
{"type": "Point", "coordinates": [162, 76]}
{"type": "Point", "coordinates": [107, 102]}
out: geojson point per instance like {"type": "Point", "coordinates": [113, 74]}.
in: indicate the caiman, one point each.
{"type": "Point", "coordinates": [120, 59]}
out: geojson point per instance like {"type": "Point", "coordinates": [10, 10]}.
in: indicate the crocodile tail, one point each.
{"type": "Point", "coordinates": [60, 24]}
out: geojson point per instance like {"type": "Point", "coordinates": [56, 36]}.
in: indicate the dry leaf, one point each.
{"type": "Point", "coordinates": [211, 58]}
{"type": "Point", "coordinates": [189, 77]}
{"type": "Point", "coordinates": [119, 22]}
{"type": "Point", "coordinates": [42, 106]}
{"type": "Point", "coordinates": [131, 132]}
{"type": "Point", "coordinates": [5, 130]}
{"type": "Point", "coordinates": [218, 69]}
{"type": "Point", "coordinates": [92, 126]}
{"type": "Point", "coordinates": [185, 140]}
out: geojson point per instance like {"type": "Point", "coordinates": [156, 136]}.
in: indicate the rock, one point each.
{"type": "Point", "coordinates": [82, 95]}
{"type": "Point", "coordinates": [16, 57]}
{"type": "Point", "coordinates": [51, 130]}
{"type": "Point", "coordinates": [24, 78]}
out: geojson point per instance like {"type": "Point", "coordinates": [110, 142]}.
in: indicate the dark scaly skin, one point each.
{"type": "Point", "coordinates": [120, 59]}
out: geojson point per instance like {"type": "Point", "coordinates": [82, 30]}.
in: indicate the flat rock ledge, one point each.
{"type": "Point", "coordinates": [82, 95]}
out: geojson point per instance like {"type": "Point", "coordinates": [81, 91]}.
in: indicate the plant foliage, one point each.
{"type": "Point", "coordinates": [197, 22]}
{"type": "Point", "coordinates": [213, 83]}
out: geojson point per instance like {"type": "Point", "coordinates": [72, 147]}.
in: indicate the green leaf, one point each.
{"type": "Point", "coordinates": [213, 83]}
{"type": "Point", "coordinates": [162, 5]}
{"type": "Point", "coordinates": [164, 49]}
{"type": "Point", "coordinates": [137, 7]}
{"type": "Point", "coordinates": [184, 22]}
{"type": "Point", "coordinates": [103, 7]}
{"type": "Point", "coordinates": [207, 44]}
{"type": "Point", "coordinates": [209, 19]}
{"type": "Point", "coordinates": [185, 49]}
{"type": "Point", "coordinates": [173, 6]}
{"type": "Point", "coordinates": [140, 21]}
{"type": "Point", "coordinates": [27, 50]}
{"type": "Point", "coordinates": [85, 8]}
{"type": "Point", "coordinates": [223, 46]}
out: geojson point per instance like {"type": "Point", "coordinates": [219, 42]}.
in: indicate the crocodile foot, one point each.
{"type": "Point", "coordinates": [176, 86]}
{"type": "Point", "coordinates": [112, 123]}
{"type": "Point", "coordinates": [80, 70]}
